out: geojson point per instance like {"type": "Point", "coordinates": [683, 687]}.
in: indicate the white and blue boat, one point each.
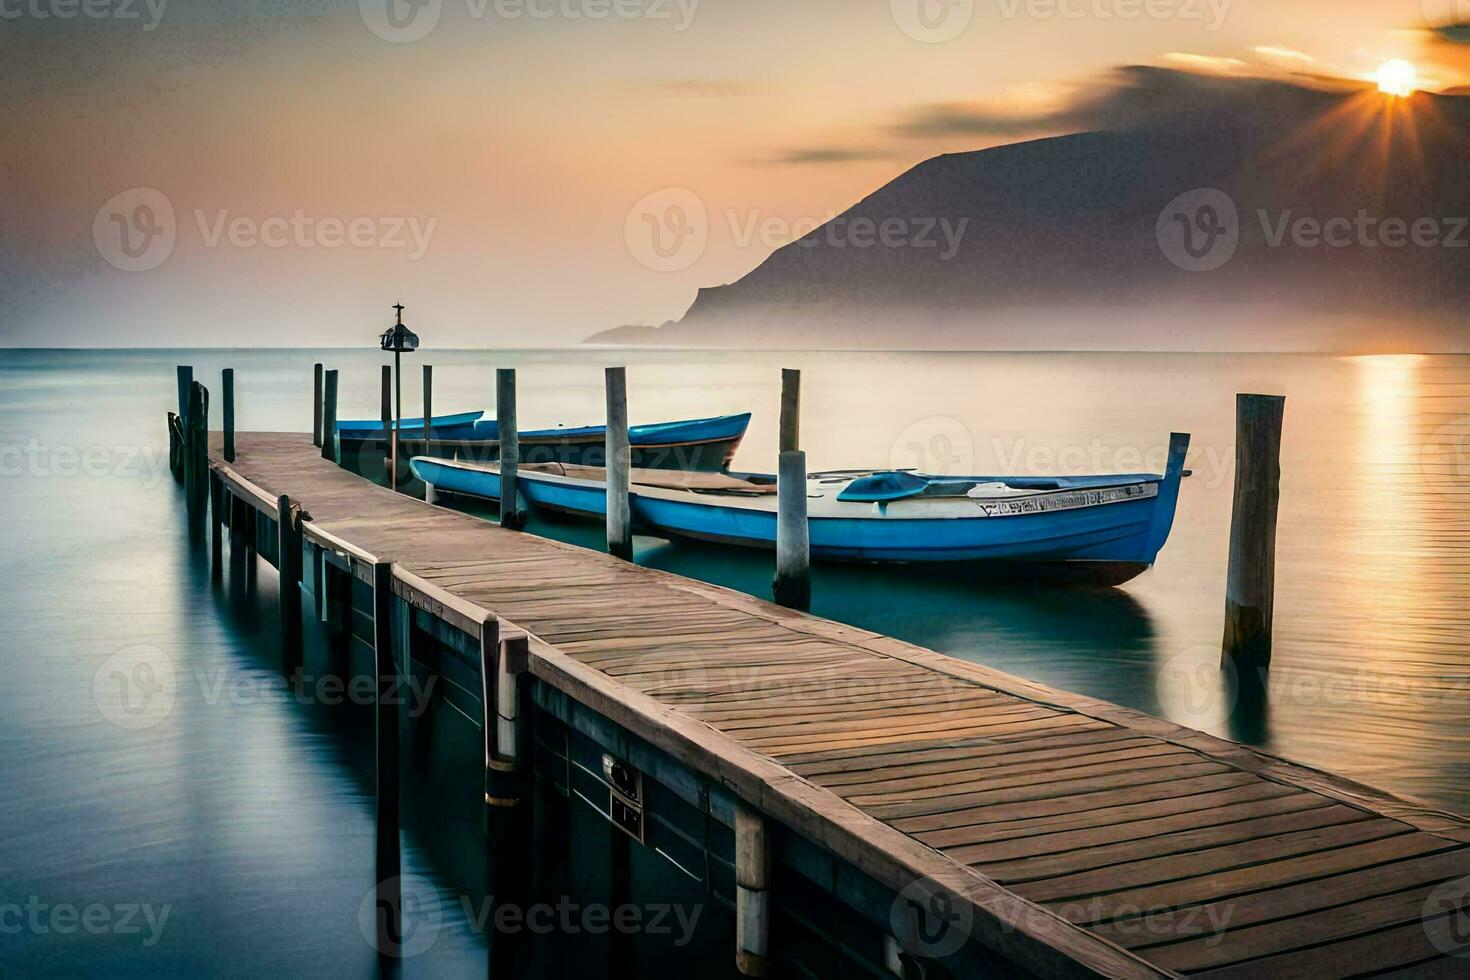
{"type": "Point", "coordinates": [1105, 529]}
{"type": "Point", "coordinates": [701, 445]}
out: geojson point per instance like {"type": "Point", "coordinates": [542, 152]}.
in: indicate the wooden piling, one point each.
{"type": "Point", "coordinates": [227, 411]}
{"type": "Point", "coordinates": [793, 585]}
{"type": "Point", "coordinates": [489, 666]}
{"type": "Point", "coordinates": [184, 375]}
{"type": "Point", "coordinates": [619, 461]}
{"type": "Point", "coordinates": [752, 892]}
{"type": "Point", "coordinates": [510, 448]}
{"type": "Point", "coordinates": [196, 447]}
{"type": "Point", "coordinates": [329, 416]}
{"type": "Point", "coordinates": [390, 456]}
{"type": "Point", "coordinates": [428, 406]}
{"type": "Point", "coordinates": [316, 404]}
{"type": "Point", "coordinates": [790, 410]}
{"type": "Point", "coordinates": [1251, 581]}
{"type": "Point", "coordinates": [288, 565]}
{"type": "Point", "coordinates": [389, 888]}
{"type": "Point", "coordinates": [216, 522]}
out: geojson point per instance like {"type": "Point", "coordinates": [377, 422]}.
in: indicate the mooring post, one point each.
{"type": "Point", "coordinates": [619, 462]}
{"type": "Point", "coordinates": [1250, 589]}
{"type": "Point", "coordinates": [227, 410]}
{"type": "Point", "coordinates": [428, 407]}
{"type": "Point", "coordinates": [510, 447]}
{"type": "Point", "coordinates": [388, 433]}
{"type": "Point", "coordinates": [316, 404]}
{"type": "Point", "coordinates": [197, 458]}
{"type": "Point", "coordinates": [185, 377]}
{"type": "Point", "coordinates": [216, 524]}
{"type": "Point", "coordinates": [288, 567]}
{"type": "Point", "coordinates": [790, 410]}
{"type": "Point", "coordinates": [389, 897]}
{"type": "Point", "coordinates": [329, 416]}
{"type": "Point", "coordinates": [793, 585]}
{"type": "Point", "coordinates": [752, 892]}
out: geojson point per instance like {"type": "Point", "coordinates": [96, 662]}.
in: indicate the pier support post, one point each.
{"type": "Point", "coordinates": [509, 757]}
{"type": "Point", "coordinates": [216, 528]}
{"type": "Point", "coordinates": [329, 416]}
{"type": "Point", "coordinates": [1251, 582]}
{"type": "Point", "coordinates": [227, 411]}
{"type": "Point", "coordinates": [619, 463]}
{"type": "Point", "coordinates": [431, 496]}
{"type": "Point", "coordinates": [790, 410]}
{"type": "Point", "coordinates": [510, 448]}
{"type": "Point", "coordinates": [184, 375]}
{"type": "Point", "coordinates": [196, 459]}
{"type": "Point", "coordinates": [288, 567]}
{"type": "Point", "coordinates": [389, 887]}
{"type": "Point", "coordinates": [390, 435]}
{"type": "Point", "coordinates": [428, 407]}
{"type": "Point", "coordinates": [793, 585]}
{"type": "Point", "coordinates": [752, 892]}
{"type": "Point", "coordinates": [316, 404]}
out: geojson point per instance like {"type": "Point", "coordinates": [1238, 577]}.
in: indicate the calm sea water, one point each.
{"type": "Point", "coordinates": [245, 817]}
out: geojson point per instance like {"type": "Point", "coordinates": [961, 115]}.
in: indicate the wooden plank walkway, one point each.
{"type": "Point", "coordinates": [1086, 838]}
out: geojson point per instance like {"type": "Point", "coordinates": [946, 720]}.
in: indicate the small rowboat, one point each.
{"type": "Point", "coordinates": [1104, 529]}
{"type": "Point", "coordinates": [700, 445]}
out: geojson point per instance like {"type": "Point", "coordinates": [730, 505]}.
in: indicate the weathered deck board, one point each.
{"type": "Point", "coordinates": [1086, 837]}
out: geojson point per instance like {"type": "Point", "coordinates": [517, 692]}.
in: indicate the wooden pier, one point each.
{"type": "Point", "coordinates": [1068, 836]}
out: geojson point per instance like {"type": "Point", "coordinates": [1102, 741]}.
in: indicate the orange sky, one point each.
{"type": "Point", "coordinates": [516, 136]}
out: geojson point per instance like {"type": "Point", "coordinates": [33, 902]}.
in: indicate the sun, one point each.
{"type": "Point", "coordinates": [1397, 77]}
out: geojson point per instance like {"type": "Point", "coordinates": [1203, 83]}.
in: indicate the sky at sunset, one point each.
{"type": "Point", "coordinates": [492, 163]}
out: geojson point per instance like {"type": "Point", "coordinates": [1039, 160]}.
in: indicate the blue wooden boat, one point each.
{"type": "Point", "coordinates": [702, 445]}
{"type": "Point", "coordinates": [1104, 529]}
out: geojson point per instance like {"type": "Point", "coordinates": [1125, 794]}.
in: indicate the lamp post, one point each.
{"type": "Point", "coordinates": [400, 340]}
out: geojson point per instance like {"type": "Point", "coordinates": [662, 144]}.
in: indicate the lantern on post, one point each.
{"type": "Point", "coordinates": [400, 340]}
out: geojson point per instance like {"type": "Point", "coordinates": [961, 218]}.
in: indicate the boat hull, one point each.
{"type": "Point", "coordinates": [1067, 535]}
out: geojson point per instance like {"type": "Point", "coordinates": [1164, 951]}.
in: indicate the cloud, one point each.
{"type": "Point", "coordinates": [827, 155]}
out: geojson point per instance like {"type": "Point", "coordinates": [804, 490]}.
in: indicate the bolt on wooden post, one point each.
{"type": "Point", "coordinates": [510, 447]}
{"type": "Point", "coordinates": [619, 460]}
{"type": "Point", "coordinates": [1251, 582]}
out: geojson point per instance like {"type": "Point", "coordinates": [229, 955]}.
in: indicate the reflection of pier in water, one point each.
{"type": "Point", "coordinates": [889, 783]}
